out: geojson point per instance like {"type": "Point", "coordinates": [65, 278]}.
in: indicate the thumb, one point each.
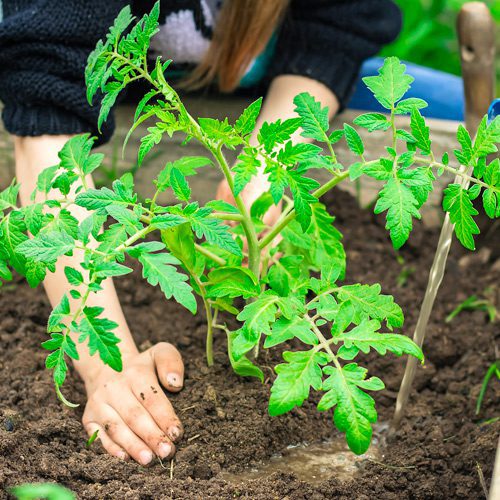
{"type": "Point", "coordinates": [169, 366]}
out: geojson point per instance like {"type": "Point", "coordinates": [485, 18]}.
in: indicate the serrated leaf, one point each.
{"type": "Point", "coordinates": [55, 322]}
{"type": "Point", "coordinates": [314, 117]}
{"type": "Point", "coordinates": [45, 179]}
{"type": "Point", "coordinates": [355, 410]}
{"type": "Point", "coordinates": [101, 339]}
{"type": "Point", "coordinates": [179, 185]}
{"type": "Point", "coordinates": [275, 133]}
{"type": "Point", "coordinates": [420, 131]}
{"type": "Point", "coordinates": [291, 388]}
{"type": "Point", "coordinates": [367, 302]}
{"type": "Point", "coordinates": [259, 314]}
{"type": "Point", "coordinates": [246, 167]}
{"type": "Point", "coordinates": [301, 188]}
{"type": "Point", "coordinates": [407, 105]}
{"type": "Point", "coordinates": [294, 153]}
{"type": "Point", "coordinates": [148, 142]}
{"type": "Point", "coordinates": [491, 203]}
{"type": "Point", "coordinates": [372, 121]}
{"type": "Point", "coordinates": [353, 139]}
{"type": "Point", "coordinates": [46, 247]}
{"type": "Point", "coordinates": [401, 206]}
{"type": "Point", "coordinates": [365, 336]}
{"type": "Point", "coordinates": [458, 204]}
{"type": "Point", "coordinates": [232, 281]}
{"type": "Point", "coordinates": [391, 84]}
{"type": "Point", "coordinates": [73, 276]}
{"type": "Point", "coordinates": [286, 329]}
{"type": "Point", "coordinates": [487, 137]}
{"type": "Point", "coordinates": [159, 269]}
{"type": "Point", "coordinates": [245, 124]}
{"type": "Point", "coordinates": [215, 232]}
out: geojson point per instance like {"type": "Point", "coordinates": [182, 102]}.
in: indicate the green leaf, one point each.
{"type": "Point", "coordinates": [294, 153]}
{"type": "Point", "coordinates": [407, 105]}
{"type": "Point", "coordinates": [158, 269]}
{"type": "Point", "coordinates": [94, 199]}
{"type": "Point", "coordinates": [121, 23]}
{"type": "Point", "coordinates": [11, 236]}
{"type": "Point", "coordinates": [259, 314]}
{"type": "Point", "coordinates": [220, 131]}
{"type": "Point", "coordinates": [101, 339]}
{"type": "Point", "coordinates": [314, 117]}
{"type": "Point", "coordinates": [75, 152]}
{"type": "Point", "coordinates": [148, 142]}
{"type": "Point", "coordinates": [242, 366]}
{"type": "Point", "coordinates": [272, 134]}
{"type": "Point", "coordinates": [372, 121]}
{"type": "Point", "coordinates": [391, 84]}
{"type": "Point", "coordinates": [457, 203]}
{"type": "Point", "coordinates": [401, 205]}
{"type": "Point", "coordinates": [491, 203]}
{"type": "Point", "coordinates": [295, 378]}
{"type": "Point", "coordinates": [286, 329]}
{"type": "Point", "coordinates": [420, 131]}
{"type": "Point", "coordinates": [73, 276]}
{"type": "Point", "coordinates": [55, 323]}
{"type": "Point", "coordinates": [366, 336]}
{"type": "Point", "coordinates": [302, 197]}
{"type": "Point", "coordinates": [245, 124]}
{"type": "Point", "coordinates": [355, 410]}
{"type": "Point", "coordinates": [487, 137]}
{"type": "Point", "coordinates": [45, 179]}
{"type": "Point", "coordinates": [366, 301]}
{"type": "Point", "coordinates": [382, 170]}
{"type": "Point", "coordinates": [50, 491]}
{"type": "Point", "coordinates": [246, 167]}
{"type": "Point", "coordinates": [167, 221]}
{"type": "Point", "coordinates": [46, 247]}
{"type": "Point", "coordinates": [179, 185]}
{"type": "Point", "coordinates": [232, 281]}
{"type": "Point", "coordinates": [110, 269]}
{"type": "Point", "coordinates": [353, 139]}
{"type": "Point", "coordinates": [215, 232]}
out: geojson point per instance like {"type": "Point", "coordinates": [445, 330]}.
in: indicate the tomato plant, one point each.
{"type": "Point", "coordinates": [286, 282]}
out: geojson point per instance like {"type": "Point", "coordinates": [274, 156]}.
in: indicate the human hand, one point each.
{"type": "Point", "coordinates": [129, 409]}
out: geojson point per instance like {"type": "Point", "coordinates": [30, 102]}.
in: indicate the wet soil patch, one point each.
{"type": "Point", "coordinates": [435, 454]}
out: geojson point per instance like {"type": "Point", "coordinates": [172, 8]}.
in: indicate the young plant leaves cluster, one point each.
{"type": "Point", "coordinates": [289, 293]}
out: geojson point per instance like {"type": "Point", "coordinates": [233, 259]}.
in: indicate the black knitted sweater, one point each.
{"type": "Point", "coordinates": [44, 45]}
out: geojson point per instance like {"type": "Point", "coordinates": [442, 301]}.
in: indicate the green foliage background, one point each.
{"type": "Point", "coordinates": [429, 35]}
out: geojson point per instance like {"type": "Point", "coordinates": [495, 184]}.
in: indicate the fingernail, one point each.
{"type": "Point", "coordinates": [121, 455]}
{"type": "Point", "coordinates": [174, 432]}
{"type": "Point", "coordinates": [145, 457]}
{"type": "Point", "coordinates": [164, 450]}
{"type": "Point", "coordinates": [174, 380]}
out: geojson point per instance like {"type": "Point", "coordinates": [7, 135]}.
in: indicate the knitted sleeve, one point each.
{"type": "Point", "coordinates": [328, 40]}
{"type": "Point", "coordinates": [44, 45]}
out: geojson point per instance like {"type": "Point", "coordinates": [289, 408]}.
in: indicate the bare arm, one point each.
{"type": "Point", "coordinates": [279, 104]}
{"type": "Point", "coordinates": [128, 424]}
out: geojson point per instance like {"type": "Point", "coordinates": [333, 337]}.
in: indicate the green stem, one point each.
{"type": "Point", "coordinates": [209, 347]}
{"type": "Point", "coordinates": [227, 216]}
{"type": "Point", "coordinates": [207, 253]}
{"type": "Point", "coordinates": [285, 220]}
{"type": "Point", "coordinates": [246, 222]}
{"type": "Point", "coordinates": [435, 164]}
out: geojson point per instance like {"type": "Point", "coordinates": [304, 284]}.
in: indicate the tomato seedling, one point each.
{"type": "Point", "coordinates": [291, 290]}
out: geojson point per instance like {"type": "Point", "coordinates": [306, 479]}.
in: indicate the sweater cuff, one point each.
{"type": "Point", "coordinates": [338, 73]}
{"type": "Point", "coordinates": [24, 120]}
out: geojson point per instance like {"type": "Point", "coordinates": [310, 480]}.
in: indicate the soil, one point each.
{"type": "Point", "coordinates": [436, 454]}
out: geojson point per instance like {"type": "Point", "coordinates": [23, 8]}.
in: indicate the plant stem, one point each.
{"type": "Point", "coordinates": [207, 253]}
{"type": "Point", "coordinates": [285, 220]}
{"type": "Point", "coordinates": [246, 222]}
{"type": "Point", "coordinates": [209, 344]}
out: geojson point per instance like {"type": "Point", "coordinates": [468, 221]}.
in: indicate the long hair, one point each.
{"type": "Point", "coordinates": [243, 30]}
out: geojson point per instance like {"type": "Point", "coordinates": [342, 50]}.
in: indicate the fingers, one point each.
{"type": "Point", "coordinates": [159, 407]}
{"type": "Point", "coordinates": [169, 366]}
{"type": "Point", "coordinates": [108, 444]}
{"type": "Point", "coordinates": [140, 422]}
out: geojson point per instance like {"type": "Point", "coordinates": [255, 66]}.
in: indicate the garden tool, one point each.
{"type": "Point", "coordinates": [476, 36]}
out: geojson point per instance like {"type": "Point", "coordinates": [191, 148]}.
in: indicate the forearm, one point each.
{"type": "Point", "coordinates": [34, 154]}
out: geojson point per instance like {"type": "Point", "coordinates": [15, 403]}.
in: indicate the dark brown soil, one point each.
{"type": "Point", "coordinates": [435, 454]}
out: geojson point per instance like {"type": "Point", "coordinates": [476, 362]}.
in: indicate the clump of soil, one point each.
{"type": "Point", "coordinates": [435, 454]}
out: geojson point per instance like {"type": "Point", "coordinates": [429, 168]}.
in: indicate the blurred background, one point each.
{"type": "Point", "coordinates": [429, 38]}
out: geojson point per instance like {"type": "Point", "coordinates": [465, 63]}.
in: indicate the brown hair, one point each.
{"type": "Point", "coordinates": [243, 30]}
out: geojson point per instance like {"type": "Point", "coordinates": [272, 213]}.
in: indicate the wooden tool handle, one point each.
{"type": "Point", "coordinates": [476, 36]}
